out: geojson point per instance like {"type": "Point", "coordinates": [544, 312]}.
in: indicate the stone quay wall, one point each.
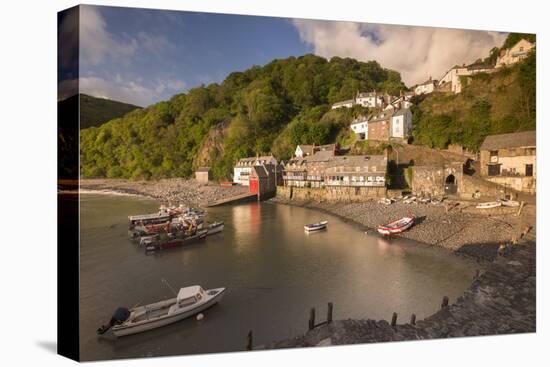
{"type": "Point", "coordinates": [331, 194]}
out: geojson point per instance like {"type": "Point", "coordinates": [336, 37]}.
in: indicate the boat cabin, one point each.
{"type": "Point", "coordinates": [189, 295]}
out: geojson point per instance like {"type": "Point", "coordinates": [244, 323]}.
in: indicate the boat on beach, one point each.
{"type": "Point", "coordinates": [397, 226]}
{"type": "Point", "coordinates": [489, 205]}
{"type": "Point", "coordinates": [316, 226]}
{"type": "Point", "coordinates": [188, 302]}
{"type": "Point", "coordinates": [385, 201]}
{"type": "Point", "coordinates": [509, 203]}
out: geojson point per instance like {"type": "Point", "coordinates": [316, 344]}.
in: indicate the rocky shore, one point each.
{"type": "Point", "coordinates": [174, 190]}
{"type": "Point", "coordinates": [502, 300]}
{"type": "Point", "coordinates": [454, 225]}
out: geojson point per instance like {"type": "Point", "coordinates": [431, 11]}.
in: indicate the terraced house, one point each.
{"type": "Point", "coordinates": [510, 160]}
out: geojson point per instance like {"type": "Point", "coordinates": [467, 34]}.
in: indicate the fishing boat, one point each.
{"type": "Point", "coordinates": [153, 218]}
{"type": "Point", "coordinates": [397, 226]}
{"type": "Point", "coordinates": [214, 228]}
{"type": "Point", "coordinates": [509, 203]}
{"type": "Point", "coordinates": [489, 205]}
{"type": "Point", "coordinates": [173, 241]}
{"type": "Point", "coordinates": [316, 226]}
{"type": "Point", "coordinates": [188, 302]}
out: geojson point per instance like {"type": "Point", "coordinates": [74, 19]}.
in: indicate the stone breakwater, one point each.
{"type": "Point", "coordinates": [499, 301]}
{"type": "Point", "coordinates": [174, 190]}
{"type": "Point", "coordinates": [454, 225]}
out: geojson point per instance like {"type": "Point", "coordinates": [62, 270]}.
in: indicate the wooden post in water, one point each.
{"type": "Point", "coordinates": [329, 313]}
{"type": "Point", "coordinates": [413, 319]}
{"type": "Point", "coordinates": [394, 319]}
{"type": "Point", "coordinates": [445, 302]}
{"type": "Point", "coordinates": [312, 318]}
{"type": "Point", "coordinates": [249, 341]}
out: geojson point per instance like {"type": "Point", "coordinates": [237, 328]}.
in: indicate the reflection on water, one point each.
{"type": "Point", "coordinates": [275, 273]}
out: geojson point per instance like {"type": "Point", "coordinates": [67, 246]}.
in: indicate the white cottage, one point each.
{"type": "Point", "coordinates": [514, 54]}
{"type": "Point", "coordinates": [361, 128]}
{"type": "Point", "coordinates": [243, 168]}
{"type": "Point", "coordinates": [401, 123]}
{"type": "Point", "coordinates": [427, 87]}
{"type": "Point", "coordinates": [371, 99]}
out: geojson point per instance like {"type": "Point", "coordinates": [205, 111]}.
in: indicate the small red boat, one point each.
{"type": "Point", "coordinates": [397, 226]}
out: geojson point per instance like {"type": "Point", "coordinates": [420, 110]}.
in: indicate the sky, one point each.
{"type": "Point", "coordinates": [143, 56]}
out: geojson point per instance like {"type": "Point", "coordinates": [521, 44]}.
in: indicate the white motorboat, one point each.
{"type": "Point", "coordinates": [316, 226]}
{"type": "Point", "coordinates": [397, 226]}
{"type": "Point", "coordinates": [489, 205]}
{"type": "Point", "coordinates": [189, 301]}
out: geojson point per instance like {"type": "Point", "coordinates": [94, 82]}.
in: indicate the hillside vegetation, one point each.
{"type": "Point", "coordinates": [262, 110]}
{"type": "Point", "coordinates": [497, 103]}
{"type": "Point", "coordinates": [96, 111]}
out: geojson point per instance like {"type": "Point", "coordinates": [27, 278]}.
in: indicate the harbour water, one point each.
{"type": "Point", "coordinates": [274, 272]}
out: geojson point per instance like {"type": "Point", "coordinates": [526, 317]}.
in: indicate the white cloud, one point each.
{"type": "Point", "coordinates": [96, 43]}
{"type": "Point", "coordinates": [119, 89]}
{"type": "Point", "coordinates": [416, 52]}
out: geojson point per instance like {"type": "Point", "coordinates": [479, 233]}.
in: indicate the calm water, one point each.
{"type": "Point", "coordinates": [274, 271]}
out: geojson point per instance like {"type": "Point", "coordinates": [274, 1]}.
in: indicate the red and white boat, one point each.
{"type": "Point", "coordinates": [397, 226]}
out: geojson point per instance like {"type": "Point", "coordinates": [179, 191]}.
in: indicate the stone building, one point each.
{"type": "Point", "coordinates": [203, 174]}
{"type": "Point", "coordinates": [437, 180]}
{"type": "Point", "coordinates": [510, 160]}
{"type": "Point", "coordinates": [263, 180]}
{"type": "Point", "coordinates": [380, 126]}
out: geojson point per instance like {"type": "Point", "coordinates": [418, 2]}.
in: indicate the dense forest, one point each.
{"type": "Point", "coordinates": [262, 110]}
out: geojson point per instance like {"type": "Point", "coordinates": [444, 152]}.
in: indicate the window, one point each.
{"type": "Point", "coordinates": [493, 153]}
{"type": "Point", "coordinates": [493, 169]}
{"type": "Point", "coordinates": [521, 49]}
{"type": "Point", "coordinates": [529, 170]}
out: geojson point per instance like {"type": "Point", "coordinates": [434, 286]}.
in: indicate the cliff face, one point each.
{"type": "Point", "coordinates": [212, 146]}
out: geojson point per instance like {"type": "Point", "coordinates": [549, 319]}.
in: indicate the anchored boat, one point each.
{"type": "Point", "coordinates": [214, 228]}
{"type": "Point", "coordinates": [397, 226]}
{"type": "Point", "coordinates": [172, 241]}
{"type": "Point", "coordinates": [316, 226]}
{"type": "Point", "coordinates": [189, 301]}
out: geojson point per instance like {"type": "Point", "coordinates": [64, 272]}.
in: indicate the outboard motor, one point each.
{"type": "Point", "coordinates": [121, 314]}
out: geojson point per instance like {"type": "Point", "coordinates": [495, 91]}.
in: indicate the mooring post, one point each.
{"type": "Point", "coordinates": [445, 302]}
{"type": "Point", "coordinates": [394, 319]}
{"type": "Point", "coordinates": [413, 319]}
{"type": "Point", "coordinates": [329, 313]}
{"type": "Point", "coordinates": [249, 341]}
{"type": "Point", "coordinates": [312, 318]}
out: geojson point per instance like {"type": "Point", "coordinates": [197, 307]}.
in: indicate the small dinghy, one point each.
{"type": "Point", "coordinates": [189, 301]}
{"type": "Point", "coordinates": [508, 202]}
{"type": "Point", "coordinates": [385, 201]}
{"type": "Point", "coordinates": [489, 205]}
{"type": "Point", "coordinates": [316, 226]}
{"type": "Point", "coordinates": [397, 226]}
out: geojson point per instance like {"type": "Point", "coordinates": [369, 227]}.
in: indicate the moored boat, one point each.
{"type": "Point", "coordinates": [174, 241]}
{"type": "Point", "coordinates": [397, 226]}
{"type": "Point", "coordinates": [214, 228]}
{"type": "Point", "coordinates": [316, 226]}
{"type": "Point", "coordinates": [489, 205]}
{"type": "Point", "coordinates": [188, 302]}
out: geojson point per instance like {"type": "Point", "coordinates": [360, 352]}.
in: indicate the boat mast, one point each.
{"type": "Point", "coordinates": [169, 286]}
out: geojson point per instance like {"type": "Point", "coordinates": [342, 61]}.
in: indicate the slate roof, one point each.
{"type": "Point", "coordinates": [512, 140]}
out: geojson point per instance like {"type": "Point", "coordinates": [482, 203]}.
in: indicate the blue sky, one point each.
{"type": "Point", "coordinates": [142, 56]}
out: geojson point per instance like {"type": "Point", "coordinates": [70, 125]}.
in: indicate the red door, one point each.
{"type": "Point", "coordinates": [253, 184]}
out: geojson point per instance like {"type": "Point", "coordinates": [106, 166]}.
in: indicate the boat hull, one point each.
{"type": "Point", "coordinates": [121, 330]}
{"type": "Point", "coordinates": [392, 228]}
